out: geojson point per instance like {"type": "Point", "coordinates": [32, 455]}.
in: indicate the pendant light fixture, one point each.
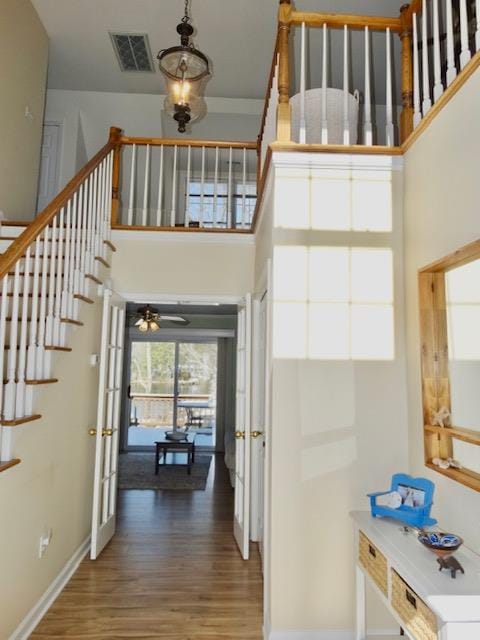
{"type": "Point", "coordinates": [186, 69]}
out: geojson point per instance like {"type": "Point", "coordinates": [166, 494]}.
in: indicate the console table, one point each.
{"type": "Point", "coordinates": [426, 603]}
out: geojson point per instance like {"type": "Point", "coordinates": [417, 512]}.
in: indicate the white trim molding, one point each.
{"type": "Point", "coordinates": [183, 237]}
{"type": "Point", "coordinates": [328, 634]}
{"type": "Point", "coordinates": [33, 617]}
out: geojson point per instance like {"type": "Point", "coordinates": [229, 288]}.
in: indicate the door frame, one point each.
{"type": "Point", "coordinates": [58, 159]}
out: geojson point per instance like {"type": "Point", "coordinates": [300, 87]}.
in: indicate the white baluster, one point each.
{"type": "Point", "coordinates": [417, 114]}
{"type": "Point", "coordinates": [451, 65]}
{"type": "Point", "coordinates": [32, 345]}
{"type": "Point", "coordinates": [83, 245]}
{"type": "Point", "coordinates": [244, 184]}
{"type": "Point", "coordinates": [66, 270]}
{"type": "Point", "coordinates": [187, 188]}
{"type": "Point", "coordinates": [51, 249]}
{"type": "Point", "coordinates": [89, 257]}
{"type": "Point", "coordinates": [173, 212]}
{"type": "Point", "coordinates": [41, 359]}
{"type": "Point", "coordinates": [20, 396]}
{"type": "Point", "coordinates": [324, 121]}
{"type": "Point", "coordinates": [93, 229]}
{"type": "Point", "coordinates": [303, 74]}
{"type": "Point", "coordinates": [3, 353]}
{"type": "Point", "coordinates": [146, 187]}
{"type": "Point", "coordinates": [160, 189]}
{"type": "Point", "coordinates": [202, 189]}
{"type": "Point", "coordinates": [11, 386]}
{"type": "Point", "coordinates": [367, 128]}
{"type": "Point", "coordinates": [465, 54]}
{"type": "Point", "coordinates": [426, 103]}
{"type": "Point", "coordinates": [59, 271]}
{"type": "Point", "coordinates": [131, 196]}
{"type": "Point", "coordinates": [108, 221]}
{"type": "Point", "coordinates": [346, 120]}
{"type": "Point", "coordinates": [72, 311]}
{"type": "Point", "coordinates": [229, 191]}
{"type": "Point", "coordinates": [477, 32]}
{"type": "Point", "coordinates": [215, 190]}
{"type": "Point", "coordinates": [390, 132]}
{"type": "Point", "coordinates": [77, 285]}
{"type": "Point", "coordinates": [437, 71]}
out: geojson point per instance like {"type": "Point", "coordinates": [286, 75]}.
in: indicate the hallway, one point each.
{"type": "Point", "coordinates": [172, 571]}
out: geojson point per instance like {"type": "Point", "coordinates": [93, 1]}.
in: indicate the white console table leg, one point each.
{"type": "Point", "coordinates": [360, 620]}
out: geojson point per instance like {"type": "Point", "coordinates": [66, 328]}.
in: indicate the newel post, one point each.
{"type": "Point", "coordinates": [406, 117]}
{"type": "Point", "coordinates": [284, 110]}
{"type": "Point", "coordinates": [115, 139]}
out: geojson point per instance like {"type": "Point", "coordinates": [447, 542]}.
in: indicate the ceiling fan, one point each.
{"type": "Point", "coordinates": [150, 319]}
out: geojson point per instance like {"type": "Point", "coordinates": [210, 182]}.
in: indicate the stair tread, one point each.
{"type": "Point", "coordinates": [8, 464]}
{"type": "Point", "coordinates": [18, 421]}
{"type": "Point", "coordinates": [48, 347]}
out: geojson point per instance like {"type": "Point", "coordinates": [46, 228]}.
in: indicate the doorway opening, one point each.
{"type": "Point", "coordinates": [173, 386]}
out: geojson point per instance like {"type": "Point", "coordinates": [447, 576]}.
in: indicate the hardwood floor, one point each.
{"type": "Point", "coordinates": [172, 571]}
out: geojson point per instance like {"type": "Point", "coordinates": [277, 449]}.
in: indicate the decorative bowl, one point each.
{"type": "Point", "coordinates": [176, 435]}
{"type": "Point", "coordinates": [442, 544]}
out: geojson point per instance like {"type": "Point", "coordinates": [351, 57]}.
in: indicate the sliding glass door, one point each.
{"type": "Point", "coordinates": [172, 386]}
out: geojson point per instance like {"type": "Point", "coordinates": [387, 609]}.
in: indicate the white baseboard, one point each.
{"type": "Point", "coordinates": [325, 634]}
{"type": "Point", "coordinates": [34, 616]}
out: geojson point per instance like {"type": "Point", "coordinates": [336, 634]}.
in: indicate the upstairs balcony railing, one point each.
{"type": "Point", "coordinates": [437, 39]}
{"type": "Point", "coordinates": [185, 184]}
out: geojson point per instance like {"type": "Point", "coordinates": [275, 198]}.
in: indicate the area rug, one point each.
{"type": "Point", "coordinates": [137, 471]}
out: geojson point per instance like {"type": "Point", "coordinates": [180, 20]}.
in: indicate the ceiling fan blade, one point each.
{"type": "Point", "coordinates": [138, 322]}
{"type": "Point", "coordinates": [178, 319]}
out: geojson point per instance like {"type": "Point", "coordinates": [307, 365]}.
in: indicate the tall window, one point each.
{"type": "Point", "coordinates": [212, 208]}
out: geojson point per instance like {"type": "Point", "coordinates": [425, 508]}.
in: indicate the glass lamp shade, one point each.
{"type": "Point", "coordinates": [183, 63]}
{"type": "Point", "coordinates": [143, 327]}
{"type": "Point", "coordinates": [154, 326]}
{"type": "Point", "coordinates": [185, 70]}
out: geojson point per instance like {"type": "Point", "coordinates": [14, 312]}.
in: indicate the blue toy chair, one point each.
{"type": "Point", "coordinates": [415, 516]}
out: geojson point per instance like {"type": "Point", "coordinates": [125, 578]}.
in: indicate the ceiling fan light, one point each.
{"type": "Point", "coordinates": [154, 325]}
{"type": "Point", "coordinates": [143, 326]}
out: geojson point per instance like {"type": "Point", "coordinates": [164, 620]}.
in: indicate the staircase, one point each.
{"type": "Point", "coordinates": [49, 270]}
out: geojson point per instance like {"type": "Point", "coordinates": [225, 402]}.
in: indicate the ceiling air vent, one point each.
{"type": "Point", "coordinates": [133, 51]}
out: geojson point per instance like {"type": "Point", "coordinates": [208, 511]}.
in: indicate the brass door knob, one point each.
{"type": "Point", "coordinates": [92, 432]}
{"type": "Point", "coordinates": [256, 434]}
{"type": "Point", "coordinates": [107, 432]}
{"type": "Point", "coordinates": [239, 435]}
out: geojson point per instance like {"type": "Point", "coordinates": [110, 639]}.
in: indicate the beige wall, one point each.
{"type": "Point", "coordinates": [52, 487]}
{"type": "Point", "coordinates": [339, 431]}
{"type": "Point", "coordinates": [202, 266]}
{"type": "Point", "coordinates": [23, 72]}
{"type": "Point", "coordinates": [442, 196]}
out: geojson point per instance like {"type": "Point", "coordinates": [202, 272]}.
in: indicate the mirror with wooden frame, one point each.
{"type": "Point", "coordinates": [450, 342]}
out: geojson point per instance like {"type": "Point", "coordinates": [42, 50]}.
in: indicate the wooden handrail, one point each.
{"type": "Point", "coordinates": [338, 21]}
{"type": "Point", "coordinates": [269, 91]}
{"type": "Point", "coordinates": [20, 245]}
{"type": "Point", "coordinates": [181, 142]}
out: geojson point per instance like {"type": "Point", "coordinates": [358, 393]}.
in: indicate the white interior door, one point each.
{"type": "Point", "coordinates": [258, 420]}
{"type": "Point", "coordinates": [108, 423]}
{"type": "Point", "coordinates": [48, 178]}
{"type": "Point", "coordinates": [242, 428]}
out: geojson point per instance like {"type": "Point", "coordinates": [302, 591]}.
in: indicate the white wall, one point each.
{"type": "Point", "coordinates": [23, 73]}
{"type": "Point", "coordinates": [339, 429]}
{"type": "Point", "coordinates": [206, 266]}
{"type": "Point", "coordinates": [52, 486]}
{"type": "Point", "coordinates": [442, 195]}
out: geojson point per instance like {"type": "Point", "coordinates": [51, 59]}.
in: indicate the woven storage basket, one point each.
{"type": "Point", "coordinates": [419, 620]}
{"type": "Point", "coordinates": [374, 562]}
{"type": "Point", "coordinates": [335, 117]}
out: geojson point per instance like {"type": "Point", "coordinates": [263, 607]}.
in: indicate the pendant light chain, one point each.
{"type": "Point", "coordinates": [186, 17]}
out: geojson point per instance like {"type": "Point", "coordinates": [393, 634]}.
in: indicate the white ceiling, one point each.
{"type": "Point", "coordinates": [237, 35]}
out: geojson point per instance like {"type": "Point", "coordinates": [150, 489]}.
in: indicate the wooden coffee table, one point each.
{"type": "Point", "coordinates": [186, 445]}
